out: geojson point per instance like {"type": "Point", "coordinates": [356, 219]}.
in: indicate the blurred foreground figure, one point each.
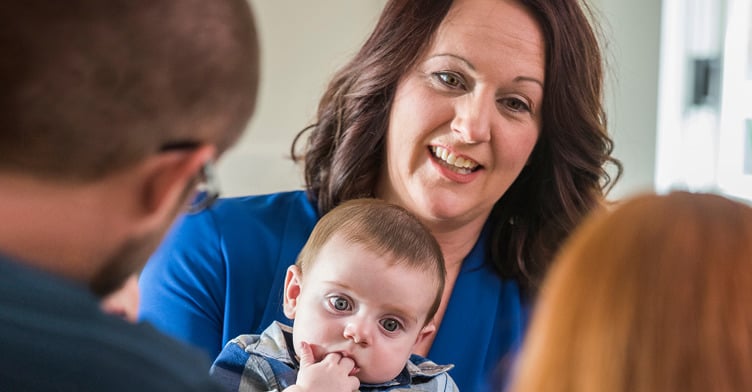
{"type": "Point", "coordinates": [653, 296]}
{"type": "Point", "coordinates": [124, 301]}
{"type": "Point", "coordinates": [113, 113]}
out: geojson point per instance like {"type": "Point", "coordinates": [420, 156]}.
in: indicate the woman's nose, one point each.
{"type": "Point", "coordinates": [472, 118]}
{"type": "Point", "coordinates": [358, 331]}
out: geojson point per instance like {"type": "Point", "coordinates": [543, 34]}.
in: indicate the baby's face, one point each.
{"type": "Point", "coordinates": [355, 302]}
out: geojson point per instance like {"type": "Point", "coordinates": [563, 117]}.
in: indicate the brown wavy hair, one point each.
{"type": "Point", "coordinates": [653, 296]}
{"type": "Point", "coordinates": [566, 177]}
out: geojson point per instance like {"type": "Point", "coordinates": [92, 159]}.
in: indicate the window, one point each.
{"type": "Point", "coordinates": [735, 147]}
{"type": "Point", "coordinates": [705, 97]}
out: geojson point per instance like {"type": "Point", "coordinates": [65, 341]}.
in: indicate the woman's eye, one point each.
{"type": "Point", "coordinates": [515, 104]}
{"type": "Point", "coordinates": [390, 325]}
{"type": "Point", "coordinates": [339, 303]}
{"type": "Point", "coordinates": [449, 79]}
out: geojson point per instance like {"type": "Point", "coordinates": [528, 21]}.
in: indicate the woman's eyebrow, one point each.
{"type": "Point", "coordinates": [460, 58]}
{"type": "Point", "coordinates": [470, 65]}
{"type": "Point", "coordinates": [528, 79]}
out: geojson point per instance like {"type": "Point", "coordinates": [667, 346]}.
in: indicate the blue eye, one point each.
{"type": "Point", "coordinates": [339, 303]}
{"type": "Point", "coordinates": [390, 325]}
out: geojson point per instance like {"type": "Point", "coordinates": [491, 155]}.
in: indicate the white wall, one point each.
{"type": "Point", "coordinates": [633, 35]}
{"type": "Point", "coordinates": [303, 42]}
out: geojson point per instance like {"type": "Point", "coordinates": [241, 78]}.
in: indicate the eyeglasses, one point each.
{"type": "Point", "coordinates": [207, 189]}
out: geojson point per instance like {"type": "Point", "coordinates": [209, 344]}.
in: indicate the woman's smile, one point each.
{"type": "Point", "coordinates": [455, 167]}
{"type": "Point", "coordinates": [455, 162]}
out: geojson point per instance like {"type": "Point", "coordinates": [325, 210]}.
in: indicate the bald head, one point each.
{"type": "Point", "coordinates": [92, 86]}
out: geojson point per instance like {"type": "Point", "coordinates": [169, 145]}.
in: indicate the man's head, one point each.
{"type": "Point", "coordinates": [124, 100]}
{"type": "Point", "coordinates": [366, 286]}
{"type": "Point", "coordinates": [91, 86]}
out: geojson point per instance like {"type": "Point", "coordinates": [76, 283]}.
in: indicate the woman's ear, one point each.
{"type": "Point", "coordinates": [168, 181]}
{"type": "Point", "coordinates": [293, 287]}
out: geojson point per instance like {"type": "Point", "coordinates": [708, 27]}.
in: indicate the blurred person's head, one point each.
{"type": "Point", "coordinates": [652, 296]}
{"type": "Point", "coordinates": [113, 113]}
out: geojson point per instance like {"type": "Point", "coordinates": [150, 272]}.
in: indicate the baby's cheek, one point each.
{"type": "Point", "coordinates": [319, 352]}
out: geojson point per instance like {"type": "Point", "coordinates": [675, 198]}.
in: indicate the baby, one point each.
{"type": "Point", "coordinates": [362, 295]}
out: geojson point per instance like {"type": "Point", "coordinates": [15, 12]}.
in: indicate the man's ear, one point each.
{"type": "Point", "coordinates": [424, 333]}
{"type": "Point", "coordinates": [293, 286]}
{"type": "Point", "coordinates": [168, 181]}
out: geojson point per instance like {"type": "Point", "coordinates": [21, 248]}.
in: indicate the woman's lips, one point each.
{"type": "Point", "coordinates": [452, 172]}
{"type": "Point", "coordinates": [453, 161]}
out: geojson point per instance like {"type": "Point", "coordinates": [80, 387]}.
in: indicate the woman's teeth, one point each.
{"type": "Point", "coordinates": [457, 164]}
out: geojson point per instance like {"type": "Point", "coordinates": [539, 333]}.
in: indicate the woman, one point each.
{"type": "Point", "coordinates": [651, 297]}
{"type": "Point", "coordinates": [482, 117]}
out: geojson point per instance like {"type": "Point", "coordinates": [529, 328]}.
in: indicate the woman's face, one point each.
{"type": "Point", "coordinates": [466, 117]}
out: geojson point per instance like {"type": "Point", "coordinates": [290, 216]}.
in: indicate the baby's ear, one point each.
{"type": "Point", "coordinates": [292, 290]}
{"type": "Point", "coordinates": [429, 329]}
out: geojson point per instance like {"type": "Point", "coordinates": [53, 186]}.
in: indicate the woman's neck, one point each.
{"type": "Point", "coordinates": [456, 242]}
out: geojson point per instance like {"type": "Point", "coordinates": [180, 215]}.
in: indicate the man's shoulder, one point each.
{"type": "Point", "coordinates": [54, 337]}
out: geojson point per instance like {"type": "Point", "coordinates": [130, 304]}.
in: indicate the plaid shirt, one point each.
{"type": "Point", "coordinates": [265, 363]}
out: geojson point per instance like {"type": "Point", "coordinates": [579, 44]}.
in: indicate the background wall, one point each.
{"type": "Point", "coordinates": [303, 43]}
{"type": "Point", "coordinates": [633, 36]}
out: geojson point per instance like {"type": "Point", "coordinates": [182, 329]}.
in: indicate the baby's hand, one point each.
{"type": "Point", "coordinates": [329, 375]}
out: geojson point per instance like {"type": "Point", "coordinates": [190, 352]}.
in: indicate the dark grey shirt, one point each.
{"type": "Point", "coordinates": [53, 337]}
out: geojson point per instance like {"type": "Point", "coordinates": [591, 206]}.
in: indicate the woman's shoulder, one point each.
{"type": "Point", "coordinates": [294, 203]}
{"type": "Point", "coordinates": [261, 223]}
{"type": "Point", "coordinates": [249, 213]}
{"type": "Point", "coordinates": [242, 226]}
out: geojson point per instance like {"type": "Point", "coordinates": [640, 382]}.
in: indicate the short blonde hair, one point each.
{"type": "Point", "coordinates": [653, 296]}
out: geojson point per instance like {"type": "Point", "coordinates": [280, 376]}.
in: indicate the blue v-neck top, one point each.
{"type": "Point", "coordinates": [220, 274]}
